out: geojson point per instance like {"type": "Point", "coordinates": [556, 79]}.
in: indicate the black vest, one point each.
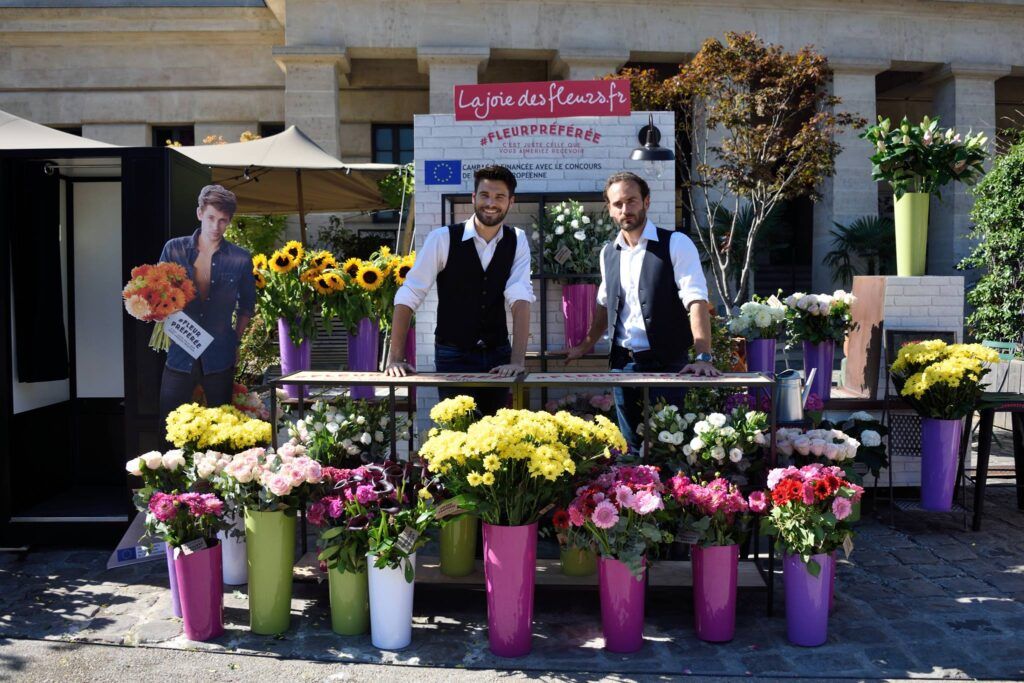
{"type": "Point", "coordinates": [665, 317]}
{"type": "Point", "coordinates": [471, 301]}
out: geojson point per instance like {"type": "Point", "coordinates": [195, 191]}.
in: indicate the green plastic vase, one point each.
{"type": "Point", "coordinates": [350, 602]}
{"type": "Point", "coordinates": [579, 561]}
{"type": "Point", "coordinates": [912, 234]}
{"type": "Point", "coordinates": [270, 552]}
{"type": "Point", "coordinates": [458, 546]}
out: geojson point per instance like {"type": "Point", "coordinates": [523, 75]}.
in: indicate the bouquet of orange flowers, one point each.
{"type": "Point", "coordinates": [154, 293]}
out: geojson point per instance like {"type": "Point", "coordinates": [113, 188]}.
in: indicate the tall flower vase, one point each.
{"type": "Point", "coordinates": [761, 358]}
{"type": "Point", "coordinates": [940, 444]}
{"type": "Point", "coordinates": [714, 591]}
{"type": "Point", "coordinates": [201, 587]}
{"type": "Point", "coordinates": [622, 605]}
{"type": "Point", "coordinates": [293, 358]}
{"type": "Point", "coordinates": [390, 605]}
{"type": "Point", "coordinates": [233, 553]}
{"type": "Point", "coordinates": [578, 561]}
{"type": "Point", "coordinates": [911, 214]}
{"type": "Point", "coordinates": [510, 565]}
{"type": "Point", "coordinates": [172, 580]}
{"type": "Point", "coordinates": [807, 599]}
{"type": "Point", "coordinates": [578, 305]}
{"type": "Point", "coordinates": [364, 353]}
{"type": "Point", "coordinates": [270, 548]}
{"type": "Point", "coordinates": [458, 545]}
{"type": "Point", "coordinates": [820, 356]}
{"type": "Point", "coordinates": [350, 602]}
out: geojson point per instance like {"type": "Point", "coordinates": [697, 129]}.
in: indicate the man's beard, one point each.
{"type": "Point", "coordinates": [490, 221]}
{"type": "Point", "coordinates": [639, 223]}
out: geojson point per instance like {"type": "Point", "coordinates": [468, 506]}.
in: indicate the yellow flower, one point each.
{"type": "Point", "coordinates": [322, 284]}
{"type": "Point", "coordinates": [294, 249]}
{"type": "Point", "coordinates": [369, 277]}
{"type": "Point", "coordinates": [335, 281]}
{"type": "Point", "coordinates": [385, 251]}
{"type": "Point", "coordinates": [282, 262]}
{"type": "Point", "coordinates": [322, 260]}
{"type": "Point", "coordinates": [259, 262]}
{"type": "Point", "coordinates": [261, 281]}
{"type": "Point", "coordinates": [352, 266]}
{"type": "Point", "coordinates": [474, 478]}
{"type": "Point", "coordinates": [492, 463]}
{"type": "Point", "coordinates": [402, 271]}
{"type": "Point", "coordinates": [425, 494]}
{"type": "Point", "coordinates": [310, 275]}
{"type": "Point", "coordinates": [487, 479]}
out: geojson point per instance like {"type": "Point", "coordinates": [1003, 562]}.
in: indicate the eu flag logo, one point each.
{"type": "Point", "coordinates": [443, 172]}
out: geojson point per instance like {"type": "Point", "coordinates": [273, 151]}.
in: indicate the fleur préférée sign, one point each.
{"type": "Point", "coordinates": [541, 100]}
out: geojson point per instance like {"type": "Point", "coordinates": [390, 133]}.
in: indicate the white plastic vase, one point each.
{"type": "Point", "coordinates": [236, 569]}
{"type": "Point", "coordinates": [390, 606]}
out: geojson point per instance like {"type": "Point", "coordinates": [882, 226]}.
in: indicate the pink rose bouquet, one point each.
{"type": "Point", "coordinates": [809, 509]}
{"type": "Point", "coordinates": [619, 510]}
{"type": "Point", "coordinates": [715, 512]}
{"type": "Point", "coordinates": [261, 479]}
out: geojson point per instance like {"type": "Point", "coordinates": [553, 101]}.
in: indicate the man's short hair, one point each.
{"type": "Point", "coordinates": [495, 172]}
{"type": "Point", "coordinates": [219, 198]}
{"type": "Point", "coordinates": [624, 176]}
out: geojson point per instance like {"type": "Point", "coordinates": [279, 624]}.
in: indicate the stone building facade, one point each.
{"type": "Point", "coordinates": [346, 70]}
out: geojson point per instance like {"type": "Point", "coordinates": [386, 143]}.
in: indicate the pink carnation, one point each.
{"type": "Point", "coordinates": [605, 516]}
{"type": "Point", "coordinates": [758, 502]}
{"type": "Point", "coordinates": [646, 502]}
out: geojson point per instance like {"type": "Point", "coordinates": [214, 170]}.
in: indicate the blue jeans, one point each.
{"type": "Point", "coordinates": [453, 359]}
{"type": "Point", "coordinates": [629, 408]}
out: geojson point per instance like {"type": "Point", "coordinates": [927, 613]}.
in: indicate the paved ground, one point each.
{"type": "Point", "coordinates": [926, 599]}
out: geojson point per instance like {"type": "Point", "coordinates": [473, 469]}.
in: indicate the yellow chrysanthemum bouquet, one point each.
{"type": "Point", "coordinates": [285, 287]}
{"type": "Point", "coordinates": [512, 465]}
{"type": "Point", "coordinates": [226, 429]}
{"type": "Point", "coordinates": [939, 380]}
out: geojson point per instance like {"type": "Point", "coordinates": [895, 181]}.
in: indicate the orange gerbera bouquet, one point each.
{"type": "Point", "coordinates": [155, 292]}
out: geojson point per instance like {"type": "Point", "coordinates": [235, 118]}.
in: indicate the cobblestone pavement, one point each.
{"type": "Point", "coordinates": [926, 599]}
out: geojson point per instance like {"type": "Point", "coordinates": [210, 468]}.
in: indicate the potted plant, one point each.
{"type": "Point", "coordinates": [714, 517]}
{"type": "Point", "coordinates": [917, 160]}
{"type": "Point", "coordinates": [515, 465]}
{"type": "Point", "coordinates": [760, 323]}
{"type": "Point", "coordinates": [943, 383]}
{"type": "Point", "coordinates": [808, 516]}
{"type": "Point", "coordinates": [819, 321]}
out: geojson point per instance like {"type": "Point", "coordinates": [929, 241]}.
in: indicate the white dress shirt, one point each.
{"type": "Point", "coordinates": [688, 274]}
{"type": "Point", "coordinates": [433, 256]}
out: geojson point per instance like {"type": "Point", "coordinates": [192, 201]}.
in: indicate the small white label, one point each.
{"type": "Point", "coordinates": [563, 255]}
{"type": "Point", "coordinates": [194, 546]}
{"type": "Point", "coordinates": [447, 509]}
{"type": "Point", "coordinates": [408, 538]}
{"type": "Point", "coordinates": [848, 546]}
{"type": "Point", "coordinates": [186, 333]}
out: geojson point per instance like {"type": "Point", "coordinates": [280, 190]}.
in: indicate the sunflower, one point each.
{"type": "Point", "coordinates": [261, 281]}
{"type": "Point", "coordinates": [369, 277]}
{"type": "Point", "coordinates": [282, 262]}
{"type": "Point", "coordinates": [336, 282]}
{"type": "Point", "coordinates": [385, 252]}
{"type": "Point", "coordinates": [310, 275]}
{"type": "Point", "coordinates": [294, 249]}
{"type": "Point", "coordinates": [322, 284]}
{"type": "Point", "coordinates": [259, 262]}
{"type": "Point", "coordinates": [352, 266]}
{"type": "Point", "coordinates": [402, 271]}
{"type": "Point", "coordinates": [322, 260]}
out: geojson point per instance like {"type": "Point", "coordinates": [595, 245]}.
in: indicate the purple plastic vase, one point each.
{"type": "Point", "coordinates": [172, 579]}
{"type": "Point", "coordinates": [832, 583]}
{"type": "Point", "coordinates": [807, 599]}
{"type": "Point", "coordinates": [363, 354]}
{"type": "Point", "coordinates": [714, 591]}
{"type": "Point", "coordinates": [578, 304]}
{"type": "Point", "coordinates": [622, 605]}
{"type": "Point", "coordinates": [293, 358]}
{"type": "Point", "coordinates": [940, 447]}
{"type": "Point", "coordinates": [201, 587]}
{"type": "Point", "coordinates": [510, 564]}
{"type": "Point", "coordinates": [820, 356]}
{"type": "Point", "coordinates": [761, 358]}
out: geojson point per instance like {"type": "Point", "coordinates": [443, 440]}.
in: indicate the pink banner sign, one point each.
{"type": "Point", "coordinates": [542, 100]}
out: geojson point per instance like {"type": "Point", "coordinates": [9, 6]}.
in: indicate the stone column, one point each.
{"type": "Point", "coordinates": [965, 99]}
{"type": "Point", "coordinates": [850, 193]}
{"type": "Point", "coordinates": [448, 67]}
{"type": "Point", "coordinates": [582, 64]}
{"type": "Point", "coordinates": [313, 74]}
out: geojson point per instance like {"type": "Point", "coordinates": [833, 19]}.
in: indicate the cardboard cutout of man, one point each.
{"type": "Point", "coordinates": [652, 301]}
{"type": "Point", "coordinates": [225, 291]}
{"type": "Point", "coordinates": [480, 267]}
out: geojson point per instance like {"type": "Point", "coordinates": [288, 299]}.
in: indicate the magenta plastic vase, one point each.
{"type": "Point", "coordinates": [940, 448]}
{"type": "Point", "coordinates": [820, 356]}
{"type": "Point", "coordinates": [510, 565]}
{"type": "Point", "coordinates": [807, 599]}
{"type": "Point", "coordinates": [363, 353]}
{"type": "Point", "coordinates": [622, 605]}
{"type": "Point", "coordinates": [201, 588]}
{"type": "Point", "coordinates": [293, 358]}
{"type": "Point", "coordinates": [172, 579]}
{"type": "Point", "coordinates": [578, 305]}
{"type": "Point", "coordinates": [714, 591]}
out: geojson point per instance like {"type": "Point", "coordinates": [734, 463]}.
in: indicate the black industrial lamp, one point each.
{"type": "Point", "coordinates": [653, 155]}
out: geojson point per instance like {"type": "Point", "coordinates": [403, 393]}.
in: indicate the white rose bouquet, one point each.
{"type": "Point", "coordinates": [572, 240]}
{"type": "Point", "coordinates": [818, 318]}
{"type": "Point", "coordinates": [728, 445]}
{"type": "Point", "coordinates": [670, 433]}
{"type": "Point", "coordinates": [759, 319]}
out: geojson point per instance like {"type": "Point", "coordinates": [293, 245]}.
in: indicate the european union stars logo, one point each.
{"type": "Point", "coordinates": [443, 172]}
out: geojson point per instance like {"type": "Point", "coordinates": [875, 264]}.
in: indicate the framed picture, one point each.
{"type": "Point", "coordinates": [896, 339]}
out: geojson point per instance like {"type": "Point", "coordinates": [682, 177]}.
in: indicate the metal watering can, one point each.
{"type": "Point", "coordinates": [790, 397]}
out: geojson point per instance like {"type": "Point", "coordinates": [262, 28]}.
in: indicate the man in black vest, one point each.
{"type": "Point", "coordinates": [479, 266]}
{"type": "Point", "coordinates": [652, 301]}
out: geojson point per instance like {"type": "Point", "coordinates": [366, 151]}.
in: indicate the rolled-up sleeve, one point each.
{"type": "Point", "coordinates": [246, 287]}
{"type": "Point", "coordinates": [430, 260]}
{"type": "Point", "coordinates": [687, 270]}
{"type": "Point", "coordinates": [602, 289]}
{"type": "Point", "coordinates": [519, 286]}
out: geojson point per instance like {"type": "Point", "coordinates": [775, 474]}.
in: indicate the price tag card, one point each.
{"type": "Point", "coordinates": [688, 537]}
{"type": "Point", "coordinates": [194, 546]}
{"type": "Point", "coordinates": [447, 509]}
{"type": "Point", "coordinates": [848, 546]}
{"type": "Point", "coordinates": [186, 333]}
{"type": "Point", "coordinates": [546, 509]}
{"type": "Point", "coordinates": [563, 255]}
{"type": "Point", "coordinates": [408, 538]}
